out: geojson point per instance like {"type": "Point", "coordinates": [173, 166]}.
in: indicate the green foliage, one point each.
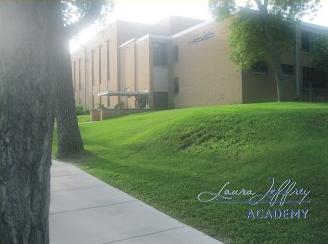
{"type": "Point", "coordinates": [100, 106]}
{"type": "Point", "coordinates": [120, 105]}
{"type": "Point", "coordinates": [167, 158]}
{"type": "Point", "coordinates": [74, 10]}
{"type": "Point", "coordinates": [80, 110]}
{"type": "Point", "coordinates": [294, 9]}
{"type": "Point", "coordinates": [83, 118]}
{"type": "Point", "coordinates": [320, 54]}
{"type": "Point", "coordinates": [222, 9]}
{"type": "Point", "coordinates": [248, 43]}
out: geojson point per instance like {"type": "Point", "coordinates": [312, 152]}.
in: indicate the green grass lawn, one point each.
{"type": "Point", "coordinates": [84, 118]}
{"type": "Point", "coordinates": [167, 158]}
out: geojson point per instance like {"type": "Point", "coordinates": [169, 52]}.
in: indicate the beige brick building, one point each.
{"type": "Point", "coordinates": [183, 62]}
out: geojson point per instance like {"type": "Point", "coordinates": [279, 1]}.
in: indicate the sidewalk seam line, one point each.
{"type": "Point", "coordinates": [78, 188]}
{"type": "Point", "coordinates": [98, 206]}
{"type": "Point", "coordinates": [149, 234]}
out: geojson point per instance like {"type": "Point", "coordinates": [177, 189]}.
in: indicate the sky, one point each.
{"type": "Point", "coordinates": [151, 11]}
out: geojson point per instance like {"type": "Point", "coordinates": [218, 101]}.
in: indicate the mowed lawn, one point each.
{"type": "Point", "coordinates": [167, 158]}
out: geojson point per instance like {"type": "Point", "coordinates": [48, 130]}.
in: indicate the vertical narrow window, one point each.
{"type": "Point", "coordinates": [108, 64]}
{"type": "Point", "coordinates": [92, 68]}
{"type": "Point", "coordinates": [159, 54]}
{"type": "Point", "coordinates": [99, 56]}
{"type": "Point", "coordinates": [79, 81]}
{"type": "Point", "coordinates": [74, 74]}
{"type": "Point", "coordinates": [306, 41]}
{"type": "Point", "coordinates": [176, 53]}
{"type": "Point", "coordinates": [86, 80]}
{"type": "Point", "coordinates": [79, 73]}
{"type": "Point", "coordinates": [108, 72]}
{"type": "Point", "coordinates": [176, 85]}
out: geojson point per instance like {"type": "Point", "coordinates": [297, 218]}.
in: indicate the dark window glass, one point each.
{"type": "Point", "coordinates": [260, 67]}
{"type": "Point", "coordinates": [99, 63]}
{"type": "Point", "coordinates": [79, 74]}
{"type": "Point", "coordinates": [176, 85]}
{"type": "Point", "coordinates": [108, 64]}
{"type": "Point", "coordinates": [74, 75]}
{"type": "Point", "coordinates": [306, 41]}
{"type": "Point", "coordinates": [314, 79]}
{"type": "Point", "coordinates": [287, 69]}
{"type": "Point", "coordinates": [159, 54]}
{"type": "Point", "coordinates": [176, 53]}
{"type": "Point", "coordinates": [92, 67]}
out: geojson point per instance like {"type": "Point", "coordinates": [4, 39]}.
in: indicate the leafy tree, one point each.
{"type": "Point", "coordinates": [77, 14]}
{"type": "Point", "coordinates": [263, 31]}
{"type": "Point", "coordinates": [35, 79]}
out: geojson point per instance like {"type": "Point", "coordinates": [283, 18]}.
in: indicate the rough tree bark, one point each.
{"type": "Point", "coordinates": [68, 132]}
{"type": "Point", "coordinates": [27, 80]}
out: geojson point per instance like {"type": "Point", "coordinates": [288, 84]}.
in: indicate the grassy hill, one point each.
{"type": "Point", "coordinates": [167, 158]}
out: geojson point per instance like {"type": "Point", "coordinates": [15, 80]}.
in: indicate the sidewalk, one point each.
{"type": "Point", "coordinates": [85, 210]}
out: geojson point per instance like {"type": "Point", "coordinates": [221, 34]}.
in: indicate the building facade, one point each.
{"type": "Point", "coordinates": [183, 62]}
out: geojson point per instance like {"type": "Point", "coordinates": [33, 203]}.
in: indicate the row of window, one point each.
{"type": "Point", "coordinates": [77, 69]}
{"type": "Point", "coordinates": [262, 67]}
{"type": "Point", "coordinates": [311, 78]}
{"type": "Point", "coordinates": [93, 57]}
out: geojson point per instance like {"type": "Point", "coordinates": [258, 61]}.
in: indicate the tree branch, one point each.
{"type": "Point", "coordinates": [91, 14]}
{"type": "Point", "coordinates": [259, 4]}
{"type": "Point", "coordinates": [265, 5]}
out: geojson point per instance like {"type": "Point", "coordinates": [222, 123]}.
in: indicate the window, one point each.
{"type": "Point", "coordinates": [260, 67]}
{"type": "Point", "coordinates": [99, 63]}
{"type": "Point", "coordinates": [79, 81]}
{"type": "Point", "coordinates": [314, 79]}
{"type": "Point", "coordinates": [287, 69]}
{"type": "Point", "coordinates": [79, 74]}
{"type": "Point", "coordinates": [176, 53]}
{"type": "Point", "coordinates": [306, 41]}
{"type": "Point", "coordinates": [74, 76]}
{"type": "Point", "coordinates": [108, 64]}
{"type": "Point", "coordinates": [159, 54]}
{"type": "Point", "coordinates": [93, 67]}
{"type": "Point", "coordinates": [176, 85]}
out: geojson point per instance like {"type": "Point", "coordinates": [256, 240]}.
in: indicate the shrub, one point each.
{"type": "Point", "coordinates": [80, 110]}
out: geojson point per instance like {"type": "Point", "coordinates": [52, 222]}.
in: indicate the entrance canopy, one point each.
{"type": "Point", "coordinates": [140, 101]}
{"type": "Point", "coordinates": [124, 93]}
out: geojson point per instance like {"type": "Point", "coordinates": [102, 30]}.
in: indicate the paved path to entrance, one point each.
{"type": "Point", "coordinates": [85, 210]}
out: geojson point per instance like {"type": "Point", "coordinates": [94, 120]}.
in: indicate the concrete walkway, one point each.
{"type": "Point", "coordinates": [85, 210]}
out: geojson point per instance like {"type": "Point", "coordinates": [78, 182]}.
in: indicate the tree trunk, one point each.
{"type": "Point", "coordinates": [26, 121]}
{"type": "Point", "coordinates": [273, 50]}
{"type": "Point", "coordinates": [68, 133]}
